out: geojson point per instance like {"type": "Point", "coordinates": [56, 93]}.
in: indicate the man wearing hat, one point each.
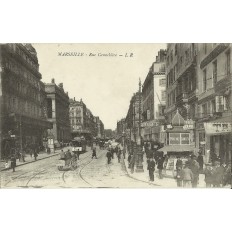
{"type": "Point", "coordinates": [195, 168]}
{"type": "Point", "coordinates": [151, 168]}
{"type": "Point", "coordinates": [208, 175]}
{"type": "Point", "coordinates": [217, 175]}
{"type": "Point", "coordinates": [187, 175]}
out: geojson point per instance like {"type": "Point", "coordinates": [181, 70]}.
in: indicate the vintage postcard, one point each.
{"type": "Point", "coordinates": [116, 115]}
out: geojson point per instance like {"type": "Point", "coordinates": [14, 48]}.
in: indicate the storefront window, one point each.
{"type": "Point", "coordinates": [179, 138]}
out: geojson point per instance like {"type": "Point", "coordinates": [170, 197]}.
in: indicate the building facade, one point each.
{"type": "Point", "coordinates": [213, 124]}
{"type": "Point", "coordinates": [58, 112]}
{"type": "Point", "coordinates": [23, 99]}
{"type": "Point", "coordinates": [181, 85]}
{"type": "Point", "coordinates": [132, 118]}
{"type": "Point", "coordinates": [154, 99]}
{"type": "Point", "coordinates": [181, 80]}
{"type": "Point", "coordinates": [83, 122]}
{"type": "Point", "coordinates": [121, 127]}
{"type": "Point", "coordinates": [77, 117]}
{"type": "Point", "coordinates": [99, 127]}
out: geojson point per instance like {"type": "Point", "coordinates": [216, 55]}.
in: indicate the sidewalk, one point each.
{"type": "Point", "coordinates": [168, 180]}
{"type": "Point", "coordinates": [29, 159]}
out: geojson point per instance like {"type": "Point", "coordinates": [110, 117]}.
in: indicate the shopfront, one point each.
{"type": "Point", "coordinates": [219, 133]}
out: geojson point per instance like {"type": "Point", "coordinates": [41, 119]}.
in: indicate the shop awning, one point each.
{"type": "Point", "coordinates": [177, 148]}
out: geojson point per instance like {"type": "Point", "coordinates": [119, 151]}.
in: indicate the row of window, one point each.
{"type": "Point", "coordinates": [23, 89]}
{"type": "Point", "coordinates": [182, 60]}
{"type": "Point", "coordinates": [22, 72]}
{"type": "Point", "coordinates": [171, 98]}
{"type": "Point", "coordinates": [26, 58]}
{"type": "Point", "coordinates": [209, 82]}
{"type": "Point", "coordinates": [219, 104]}
{"type": "Point", "coordinates": [171, 76]}
{"type": "Point", "coordinates": [17, 105]}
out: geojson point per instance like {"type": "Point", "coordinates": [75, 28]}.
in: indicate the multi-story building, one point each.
{"type": "Point", "coordinates": [121, 128]}
{"type": "Point", "coordinates": [23, 99]}
{"type": "Point", "coordinates": [181, 85]}
{"type": "Point", "coordinates": [77, 117]}
{"type": "Point", "coordinates": [181, 80]}
{"type": "Point", "coordinates": [90, 123]}
{"type": "Point", "coordinates": [83, 122]}
{"type": "Point", "coordinates": [132, 118]}
{"type": "Point", "coordinates": [58, 112]}
{"type": "Point", "coordinates": [214, 118]}
{"type": "Point", "coordinates": [99, 127]}
{"type": "Point", "coordinates": [154, 98]}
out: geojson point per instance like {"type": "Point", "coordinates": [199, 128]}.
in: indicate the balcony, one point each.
{"type": "Point", "coordinates": [207, 116]}
{"type": "Point", "coordinates": [185, 97]}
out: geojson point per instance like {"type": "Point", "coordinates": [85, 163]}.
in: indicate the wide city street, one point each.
{"type": "Point", "coordinates": [90, 173]}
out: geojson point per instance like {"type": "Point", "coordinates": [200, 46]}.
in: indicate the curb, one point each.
{"type": "Point", "coordinates": [56, 153]}
{"type": "Point", "coordinates": [132, 177]}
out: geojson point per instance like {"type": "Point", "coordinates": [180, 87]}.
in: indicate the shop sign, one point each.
{"type": "Point", "coordinates": [189, 125]}
{"type": "Point", "coordinates": [150, 123]}
{"type": "Point", "coordinates": [217, 128]}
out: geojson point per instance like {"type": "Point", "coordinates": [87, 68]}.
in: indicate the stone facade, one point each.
{"type": "Point", "coordinates": [23, 99]}
{"type": "Point", "coordinates": [58, 112]}
{"type": "Point", "coordinates": [214, 101]}
{"type": "Point", "coordinates": [154, 98]}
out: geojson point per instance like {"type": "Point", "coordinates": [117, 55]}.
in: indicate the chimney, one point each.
{"type": "Point", "coordinates": [53, 80]}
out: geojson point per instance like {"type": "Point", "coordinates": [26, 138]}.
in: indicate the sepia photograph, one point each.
{"type": "Point", "coordinates": [145, 115]}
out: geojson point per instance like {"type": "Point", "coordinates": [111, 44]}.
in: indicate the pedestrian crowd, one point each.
{"type": "Point", "coordinates": [17, 154]}
{"type": "Point", "coordinates": [115, 150]}
{"type": "Point", "coordinates": [187, 170]}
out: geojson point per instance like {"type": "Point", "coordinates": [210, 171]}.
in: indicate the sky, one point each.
{"type": "Point", "coordinates": [102, 76]}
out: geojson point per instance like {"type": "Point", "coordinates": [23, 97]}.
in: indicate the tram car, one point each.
{"type": "Point", "coordinates": [79, 144]}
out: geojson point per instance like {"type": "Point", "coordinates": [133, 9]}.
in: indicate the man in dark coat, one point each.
{"type": "Point", "coordinates": [109, 156]}
{"type": "Point", "coordinates": [179, 163]}
{"type": "Point", "coordinates": [13, 162]}
{"type": "Point", "coordinates": [68, 157]}
{"type": "Point", "coordinates": [218, 173]}
{"type": "Point", "coordinates": [195, 168]}
{"type": "Point", "coordinates": [94, 154]}
{"type": "Point", "coordinates": [160, 166]}
{"type": "Point", "coordinates": [200, 160]}
{"type": "Point", "coordinates": [35, 154]}
{"type": "Point", "coordinates": [151, 168]}
{"type": "Point", "coordinates": [208, 175]}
